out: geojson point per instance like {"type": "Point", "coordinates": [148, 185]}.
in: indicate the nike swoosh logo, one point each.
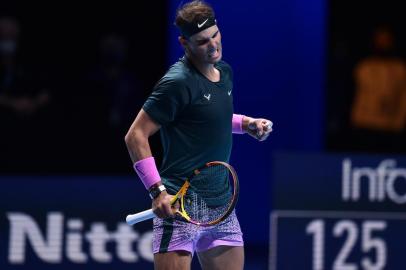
{"type": "Point", "coordinates": [229, 92]}
{"type": "Point", "coordinates": [199, 25]}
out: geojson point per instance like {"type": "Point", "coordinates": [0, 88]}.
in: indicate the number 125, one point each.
{"type": "Point", "coordinates": [350, 230]}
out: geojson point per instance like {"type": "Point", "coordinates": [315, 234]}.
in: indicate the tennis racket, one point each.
{"type": "Point", "coordinates": [206, 198]}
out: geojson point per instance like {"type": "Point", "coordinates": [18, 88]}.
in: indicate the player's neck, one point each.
{"type": "Point", "coordinates": [208, 70]}
{"type": "Point", "coordinates": [211, 73]}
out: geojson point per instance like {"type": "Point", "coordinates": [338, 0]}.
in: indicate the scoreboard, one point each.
{"type": "Point", "coordinates": [340, 212]}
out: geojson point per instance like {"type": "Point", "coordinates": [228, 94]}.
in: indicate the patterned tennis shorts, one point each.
{"type": "Point", "coordinates": [172, 234]}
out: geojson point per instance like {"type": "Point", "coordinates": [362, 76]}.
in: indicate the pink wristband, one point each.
{"type": "Point", "coordinates": [147, 171]}
{"type": "Point", "coordinates": [237, 124]}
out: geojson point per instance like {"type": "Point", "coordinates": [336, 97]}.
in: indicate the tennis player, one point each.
{"type": "Point", "coordinates": [192, 106]}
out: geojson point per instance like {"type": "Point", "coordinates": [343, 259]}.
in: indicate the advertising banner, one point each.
{"type": "Point", "coordinates": [73, 223]}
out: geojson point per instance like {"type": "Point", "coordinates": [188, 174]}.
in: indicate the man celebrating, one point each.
{"type": "Point", "coordinates": [192, 106]}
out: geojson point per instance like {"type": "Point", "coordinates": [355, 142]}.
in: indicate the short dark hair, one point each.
{"type": "Point", "coordinates": [193, 12]}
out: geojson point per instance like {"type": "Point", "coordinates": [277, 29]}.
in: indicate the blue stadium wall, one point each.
{"type": "Point", "coordinates": [278, 52]}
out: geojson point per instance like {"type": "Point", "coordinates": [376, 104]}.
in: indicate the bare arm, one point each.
{"type": "Point", "coordinates": [138, 147]}
{"type": "Point", "coordinates": [137, 136]}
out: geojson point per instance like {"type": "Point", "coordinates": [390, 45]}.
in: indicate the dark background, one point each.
{"type": "Point", "coordinates": [62, 42]}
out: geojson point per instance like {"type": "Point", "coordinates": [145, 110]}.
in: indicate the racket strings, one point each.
{"type": "Point", "coordinates": [199, 211]}
{"type": "Point", "coordinates": [213, 184]}
{"type": "Point", "coordinates": [210, 195]}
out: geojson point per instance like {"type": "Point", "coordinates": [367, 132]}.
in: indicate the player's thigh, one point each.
{"type": "Point", "coordinates": [222, 258]}
{"type": "Point", "coordinates": [173, 260]}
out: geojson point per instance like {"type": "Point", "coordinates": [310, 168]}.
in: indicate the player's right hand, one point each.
{"type": "Point", "coordinates": [161, 205]}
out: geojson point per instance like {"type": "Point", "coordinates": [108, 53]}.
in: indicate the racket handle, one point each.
{"type": "Point", "coordinates": [141, 216]}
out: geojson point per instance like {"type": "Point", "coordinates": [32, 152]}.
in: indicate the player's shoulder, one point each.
{"type": "Point", "coordinates": [179, 72]}
{"type": "Point", "coordinates": [176, 79]}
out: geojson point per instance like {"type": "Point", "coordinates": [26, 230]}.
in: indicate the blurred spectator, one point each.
{"type": "Point", "coordinates": [19, 92]}
{"type": "Point", "coordinates": [24, 101]}
{"type": "Point", "coordinates": [379, 108]}
{"type": "Point", "coordinates": [112, 95]}
{"type": "Point", "coordinates": [115, 84]}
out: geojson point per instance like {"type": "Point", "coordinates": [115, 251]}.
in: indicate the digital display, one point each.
{"type": "Point", "coordinates": [338, 212]}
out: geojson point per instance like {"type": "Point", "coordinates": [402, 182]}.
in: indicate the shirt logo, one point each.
{"type": "Point", "coordinates": [229, 92]}
{"type": "Point", "coordinates": [207, 96]}
{"type": "Point", "coordinates": [199, 25]}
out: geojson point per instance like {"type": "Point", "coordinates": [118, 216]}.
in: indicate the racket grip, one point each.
{"type": "Point", "coordinates": [141, 216]}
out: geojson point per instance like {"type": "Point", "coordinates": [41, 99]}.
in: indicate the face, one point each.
{"type": "Point", "coordinates": [205, 46]}
{"type": "Point", "coordinates": [383, 40]}
{"type": "Point", "coordinates": [8, 36]}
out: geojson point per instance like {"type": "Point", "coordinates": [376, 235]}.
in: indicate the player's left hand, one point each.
{"type": "Point", "coordinates": [259, 128]}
